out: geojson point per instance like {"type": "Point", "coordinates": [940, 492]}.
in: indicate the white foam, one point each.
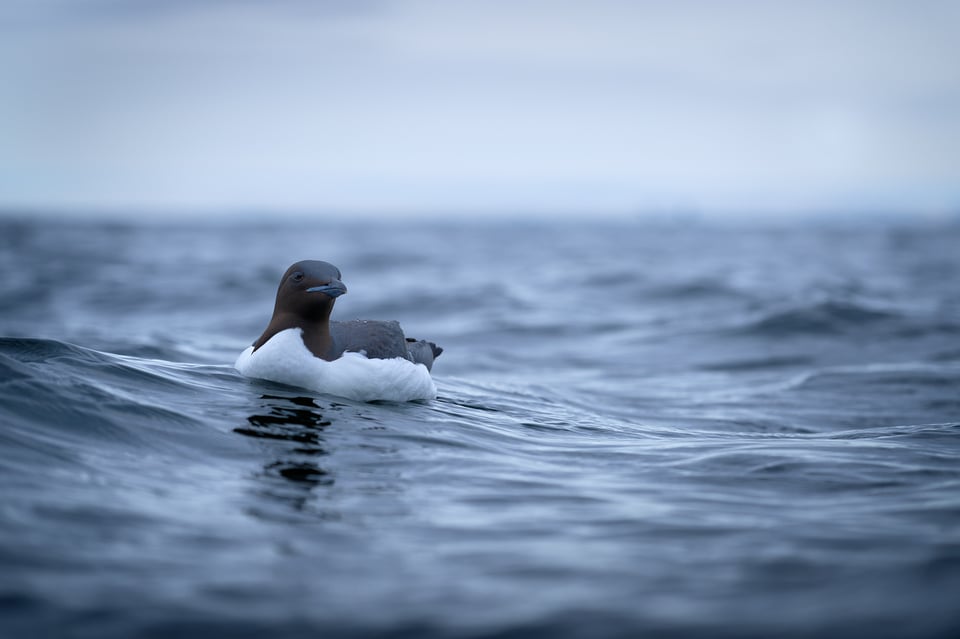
{"type": "Point", "coordinates": [286, 359]}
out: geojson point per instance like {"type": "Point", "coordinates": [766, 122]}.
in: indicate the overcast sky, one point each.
{"type": "Point", "coordinates": [607, 106]}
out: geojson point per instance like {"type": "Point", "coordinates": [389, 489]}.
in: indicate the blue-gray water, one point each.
{"type": "Point", "coordinates": [641, 430]}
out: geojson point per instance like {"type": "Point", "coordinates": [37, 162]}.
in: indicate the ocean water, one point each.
{"type": "Point", "coordinates": [642, 429]}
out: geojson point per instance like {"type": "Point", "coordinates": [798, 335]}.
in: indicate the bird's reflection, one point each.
{"type": "Point", "coordinates": [294, 426]}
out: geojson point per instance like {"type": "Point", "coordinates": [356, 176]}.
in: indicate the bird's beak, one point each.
{"type": "Point", "coordinates": [335, 288]}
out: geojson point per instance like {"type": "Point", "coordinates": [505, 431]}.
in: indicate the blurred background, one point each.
{"type": "Point", "coordinates": [123, 107]}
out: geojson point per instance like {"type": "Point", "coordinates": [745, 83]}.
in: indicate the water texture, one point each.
{"type": "Point", "coordinates": [642, 429]}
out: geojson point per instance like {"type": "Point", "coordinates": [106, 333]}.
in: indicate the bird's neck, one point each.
{"type": "Point", "coordinates": [316, 333]}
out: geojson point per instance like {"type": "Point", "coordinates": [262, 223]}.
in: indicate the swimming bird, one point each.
{"type": "Point", "coordinates": [360, 359]}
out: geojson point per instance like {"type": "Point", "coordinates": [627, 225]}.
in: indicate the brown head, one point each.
{"type": "Point", "coordinates": [305, 298]}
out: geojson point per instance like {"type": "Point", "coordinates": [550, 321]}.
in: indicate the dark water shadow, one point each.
{"type": "Point", "coordinates": [292, 431]}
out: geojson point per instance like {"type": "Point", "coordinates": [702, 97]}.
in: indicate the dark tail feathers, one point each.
{"type": "Point", "coordinates": [423, 352]}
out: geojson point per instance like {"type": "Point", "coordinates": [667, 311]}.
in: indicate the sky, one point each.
{"type": "Point", "coordinates": [606, 106]}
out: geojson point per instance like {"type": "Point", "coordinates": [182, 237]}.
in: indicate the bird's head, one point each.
{"type": "Point", "coordinates": [308, 289]}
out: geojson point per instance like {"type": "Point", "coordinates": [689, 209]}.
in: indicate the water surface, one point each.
{"type": "Point", "coordinates": [642, 430]}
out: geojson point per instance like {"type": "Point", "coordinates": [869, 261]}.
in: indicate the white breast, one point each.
{"type": "Point", "coordinates": [286, 359]}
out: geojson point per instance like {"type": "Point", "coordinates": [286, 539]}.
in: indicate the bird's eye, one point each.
{"type": "Point", "coordinates": [298, 277]}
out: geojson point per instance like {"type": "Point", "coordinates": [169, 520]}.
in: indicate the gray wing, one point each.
{"type": "Point", "coordinates": [382, 340]}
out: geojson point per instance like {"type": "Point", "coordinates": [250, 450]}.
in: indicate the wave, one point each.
{"type": "Point", "coordinates": [820, 318]}
{"type": "Point", "coordinates": [694, 289]}
{"type": "Point", "coordinates": [760, 363]}
{"type": "Point", "coordinates": [63, 403]}
{"type": "Point", "coordinates": [914, 377]}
